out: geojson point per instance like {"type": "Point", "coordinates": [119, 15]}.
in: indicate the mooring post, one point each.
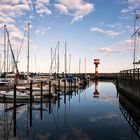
{"type": "Point", "coordinates": [69, 95]}
{"type": "Point", "coordinates": [58, 87]}
{"type": "Point", "coordinates": [138, 74]}
{"type": "Point", "coordinates": [30, 103]}
{"type": "Point", "coordinates": [41, 112]}
{"type": "Point", "coordinates": [49, 89]}
{"type": "Point", "coordinates": [58, 93]}
{"type": "Point", "coordinates": [14, 110]}
{"type": "Point", "coordinates": [64, 86]}
{"type": "Point", "coordinates": [58, 99]}
{"type": "Point", "coordinates": [49, 97]}
{"type": "Point", "coordinates": [75, 82]}
{"type": "Point", "coordinates": [69, 84]}
{"type": "Point", "coordinates": [4, 98]}
{"type": "Point", "coordinates": [49, 105]}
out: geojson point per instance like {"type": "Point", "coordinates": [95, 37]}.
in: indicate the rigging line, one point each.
{"type": "Point", "coordinates": [53, 57]}
{"type": "Point", "coordinates": [11, 50]}
{"type": "Point", "coordinates": [21, 43]}
{"type": "Point", "coordinates": [28, 19]}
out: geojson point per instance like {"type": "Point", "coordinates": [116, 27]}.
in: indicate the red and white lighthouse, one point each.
{"type": "Point", "coordinates": [96, 62]}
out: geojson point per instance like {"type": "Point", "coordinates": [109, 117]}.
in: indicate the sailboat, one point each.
{"type": "Point", "coordinates": [10, 94]}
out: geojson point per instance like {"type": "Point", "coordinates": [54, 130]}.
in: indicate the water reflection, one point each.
{"type": "Point", "coordinates": [70, 116]}
{"type": "Point", "coordinates": [131, 113]}
{"type": "Point", "coordinates": [96, 93]}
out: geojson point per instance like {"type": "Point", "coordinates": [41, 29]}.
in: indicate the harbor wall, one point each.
{"type": "Point", "coordinates": [131, 113]}
{"type": "Point", "coordinates": [130, 88]}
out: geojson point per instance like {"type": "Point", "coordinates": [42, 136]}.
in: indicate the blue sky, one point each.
{"type": "Point", "coordinates": [92, 28]}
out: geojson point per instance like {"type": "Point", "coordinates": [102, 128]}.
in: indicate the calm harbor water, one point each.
{"type": "Point", "coordinates": [76, 116]}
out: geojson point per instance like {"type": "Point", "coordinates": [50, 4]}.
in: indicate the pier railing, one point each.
{"type": "Point", "coordinates": [130, 74]}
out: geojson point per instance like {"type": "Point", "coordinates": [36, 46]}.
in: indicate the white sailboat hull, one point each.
{"type": "Point", "coordinates": [10, 95]}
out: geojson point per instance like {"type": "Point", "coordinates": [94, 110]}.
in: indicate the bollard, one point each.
{"type": "Point", "coordinates": [14, 110]}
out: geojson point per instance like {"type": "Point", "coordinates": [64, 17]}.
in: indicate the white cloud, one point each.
{"type": "Point", "coordinates": [6, 20]}
{"type": "Point", "coordinates": [62, 8]}
{"type": "Point", "coordinates": [132, 5]}
{"type": "Point", "coordinates": [107, 32]}
{"type": "Point", "coordinates": [1, 41]}
{"type": "Point", "coordinates": [9, 1]}
{"type": "Point", "coordinates": [41, 7]}
{"type": "Point", "coordinates": [43, 1]}
{"type": "Point", "coordinates": [121, 47]}
{"type": "Point", "coordinates": [13, 10]}
{"type": "Point", "coordinates": [9, 11]}
{"type": "Point", "coordinates": [42, 30]}
{"type": "Point", "coordinates": [120, 27]}
{"type": "Point", "coordinates": [76, 8]}
{"type": "Point", "coordinates": [17, 36]}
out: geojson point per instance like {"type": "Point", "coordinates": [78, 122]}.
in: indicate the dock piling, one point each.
{"type": "Point", "coordinates": [14, 110]}
{"type": "Point", "coordinates": [58, 87]}
{"type": "Point", "coordinates": [49, 89]}
{"type": "Point", "coordinates": [49, 97]}
{"type": "Point", "coordinates": [41, 112]}
{"type": "Point", "coordinates": [31, 103]}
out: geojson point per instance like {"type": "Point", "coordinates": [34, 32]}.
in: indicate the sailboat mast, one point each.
{"type": "Point", "coordinates": [55, 62]}
{"type": "Point", "coordinates": [65, 57]}
{"type": "Point", "coordinates": [28, 53]}
{"type": "Point", "coordinates": [79, 65]}
{"type": "Point", "coordinates": [69, 62]}
{"type": "Point", "coordinates": [51, 60]}
{"type": "Point", "coordinates": [58, 59]}
{"type": "Point", "coordinates": [0, 63]}
{"type": "Point", "coordinates": [85, 64]}
{"type": "Point", "coordinates": [7, 57]}
{"type": "Point", "coordinates": [4, 63]}
{"type": "Point", "coordinates": [35, 64]}
{"type": "Point", "coordinates": [134, 54]}
{"type": "Point", "coordinates": [15, 63]}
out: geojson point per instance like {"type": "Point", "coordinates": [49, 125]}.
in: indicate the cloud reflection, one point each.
{"type": "Point", "coordinates": [108, 116]}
